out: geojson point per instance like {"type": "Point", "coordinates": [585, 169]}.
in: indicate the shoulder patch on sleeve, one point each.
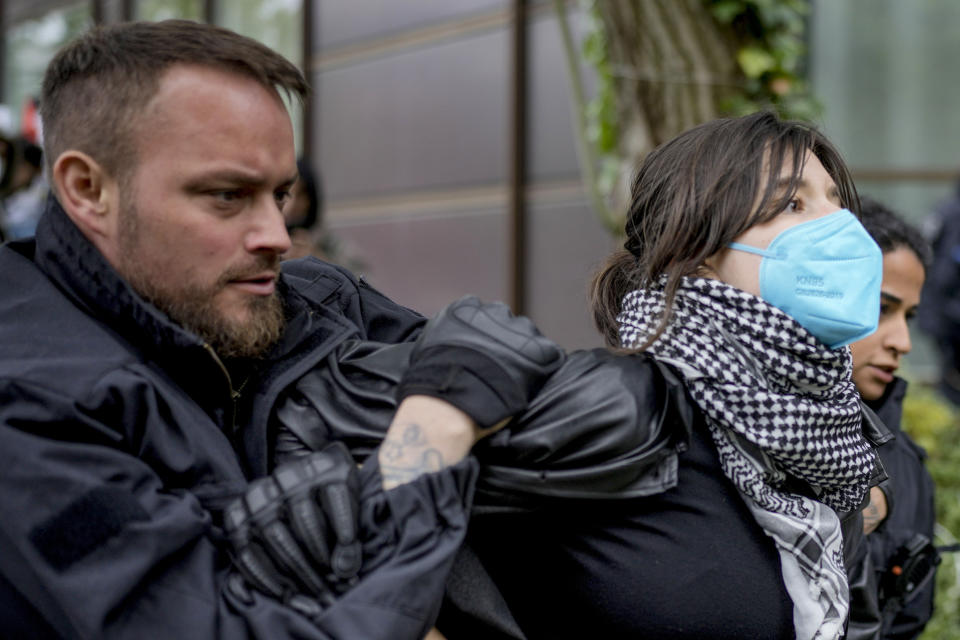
{"type": "Point", "coordinates": [85, 525]}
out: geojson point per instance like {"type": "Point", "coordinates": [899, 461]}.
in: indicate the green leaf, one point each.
{"type": "Point", "coordinates": [755, 61]}
{"type": "Point", "coordinates": [594, 47]}
{"type": "Point", "coordinates": [726, 10]}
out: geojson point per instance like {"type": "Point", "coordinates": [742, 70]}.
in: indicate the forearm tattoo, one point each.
{"type": "Point", "coordinates": [407, 454]}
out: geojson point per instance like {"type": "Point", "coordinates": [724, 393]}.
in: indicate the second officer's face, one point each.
{"type": "Point", "coordinates": [877, 357]}
{"type": "Point", "coordinates": [201, 215]}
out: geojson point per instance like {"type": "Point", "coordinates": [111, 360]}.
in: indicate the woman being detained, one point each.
{"type": "Point", "coordinates": [704, 478]}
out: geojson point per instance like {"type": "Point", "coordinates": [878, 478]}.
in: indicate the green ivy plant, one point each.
{"type": "Point", "coordinates": [770, 50]}
{"type": "Point", "coordinates": [596, 128]}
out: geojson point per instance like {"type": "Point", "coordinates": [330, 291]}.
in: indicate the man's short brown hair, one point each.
{"type": "Point", "coordinates": [97, 85]}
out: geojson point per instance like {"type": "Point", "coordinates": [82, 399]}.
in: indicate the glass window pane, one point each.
{"type": "Point", "coordinates": [30, 46]}
{"type": "Point", "coordinates": [883, 70]}
{"type": "Point", "coordinates": [166, 9]}
{"type": "Point", "coordinates": [277, 24]}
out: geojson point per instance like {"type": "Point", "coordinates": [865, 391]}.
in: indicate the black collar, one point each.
{"type": "Point", "coordinates": [80, 270]}
{"type": "Point", "coordinates": [889, 406]}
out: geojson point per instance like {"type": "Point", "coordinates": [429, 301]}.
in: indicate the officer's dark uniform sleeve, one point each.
{"type": "Point", "coordinates": [412, 534]}
{"type": "Point", "coordinates": [96, 544]}
{"type": "Point", "coordinates": [376, 316]}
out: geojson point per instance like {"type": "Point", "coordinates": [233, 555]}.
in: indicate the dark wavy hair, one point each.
{"type": "Point", "coordinates": [313, 192]}
{"type": "Point", "coordinates": [892, 232]}
{"type": "Point", "coordinates": [694, 194]}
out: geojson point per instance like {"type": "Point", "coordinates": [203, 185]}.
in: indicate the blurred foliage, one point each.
{"type": "Point", "coordinates": [934, 424]}
{"type": "Point", "coordinates": [167, 9]}
{"type": "Point", "coordinates": [602, 122]}
{"type": "Point", "coordinates": [723, 58]}
{"type": "Point", "coordinates": [770, 36]}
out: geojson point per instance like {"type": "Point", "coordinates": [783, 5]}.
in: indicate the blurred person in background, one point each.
{"type": "Point", "coordinates": [900, 518]}
{"type": "Point", "coordinates": [309, 235]}
{"type": "Point", "coordinates": [23, 187]}
{"type": "Point", "coordinates": [940, 308]}
{"type": "Point", "coordinates": [304, 214]}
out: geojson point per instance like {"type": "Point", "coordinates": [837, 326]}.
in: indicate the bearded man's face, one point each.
{"type": "Point", "coordinates": [201, 227]}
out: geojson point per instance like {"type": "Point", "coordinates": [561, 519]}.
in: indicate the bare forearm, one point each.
{"type": "Point", "coordinates": [425, 436]}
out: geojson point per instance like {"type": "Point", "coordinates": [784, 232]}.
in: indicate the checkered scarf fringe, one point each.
{"type": "Point", "coordinates": [777, 403]}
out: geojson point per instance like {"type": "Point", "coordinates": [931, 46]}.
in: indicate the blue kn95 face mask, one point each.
{"type": "Point", "coordinates": [826, 274]}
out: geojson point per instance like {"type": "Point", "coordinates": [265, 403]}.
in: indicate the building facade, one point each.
{"type": "Point", "coordinates": [442, 130]}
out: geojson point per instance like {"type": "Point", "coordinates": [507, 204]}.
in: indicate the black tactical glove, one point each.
{"type": "Point", "coordinates": [295, 531]}
{"type": "Point", "coordinates": [482, 359]}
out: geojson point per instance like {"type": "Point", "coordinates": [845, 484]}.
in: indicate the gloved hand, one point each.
{"type": "Point", "coordinates": [482, 359]}
{"type": "Point", "coordinates": [295, 531]}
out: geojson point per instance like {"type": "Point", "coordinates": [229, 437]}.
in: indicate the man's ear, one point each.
{"type": "Point", "coordinates": [90, 197]}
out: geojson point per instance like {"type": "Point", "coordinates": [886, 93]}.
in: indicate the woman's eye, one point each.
{"type": "Point", "coordinates": [793, 205]}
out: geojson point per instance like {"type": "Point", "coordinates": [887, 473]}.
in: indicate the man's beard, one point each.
{"type": "Point", "coordinates": [194, 308]}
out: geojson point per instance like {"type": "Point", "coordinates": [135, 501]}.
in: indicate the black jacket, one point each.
{"type": "Point", "coordinates": [633, 435]}
{"type": "Point", "coordinates": [605, 427]}
{"type": "Point", "coordinates": [909, 494]}
{"type": "Point", "coordinates": [122, 437]}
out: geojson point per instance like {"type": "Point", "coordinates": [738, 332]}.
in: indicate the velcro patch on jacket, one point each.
{"type": "Point", "coordinates": [84, 525]}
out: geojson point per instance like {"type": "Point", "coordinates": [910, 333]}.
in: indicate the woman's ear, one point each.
{"type": "Point", "coordinates": [90, 197]}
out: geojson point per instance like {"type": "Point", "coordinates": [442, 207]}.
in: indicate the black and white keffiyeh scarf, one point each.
{"type": "Point", "coordinates": [778, 403]}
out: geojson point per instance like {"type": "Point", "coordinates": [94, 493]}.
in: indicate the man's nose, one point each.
{"type": "Point", "coordinates": [269, 230]}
